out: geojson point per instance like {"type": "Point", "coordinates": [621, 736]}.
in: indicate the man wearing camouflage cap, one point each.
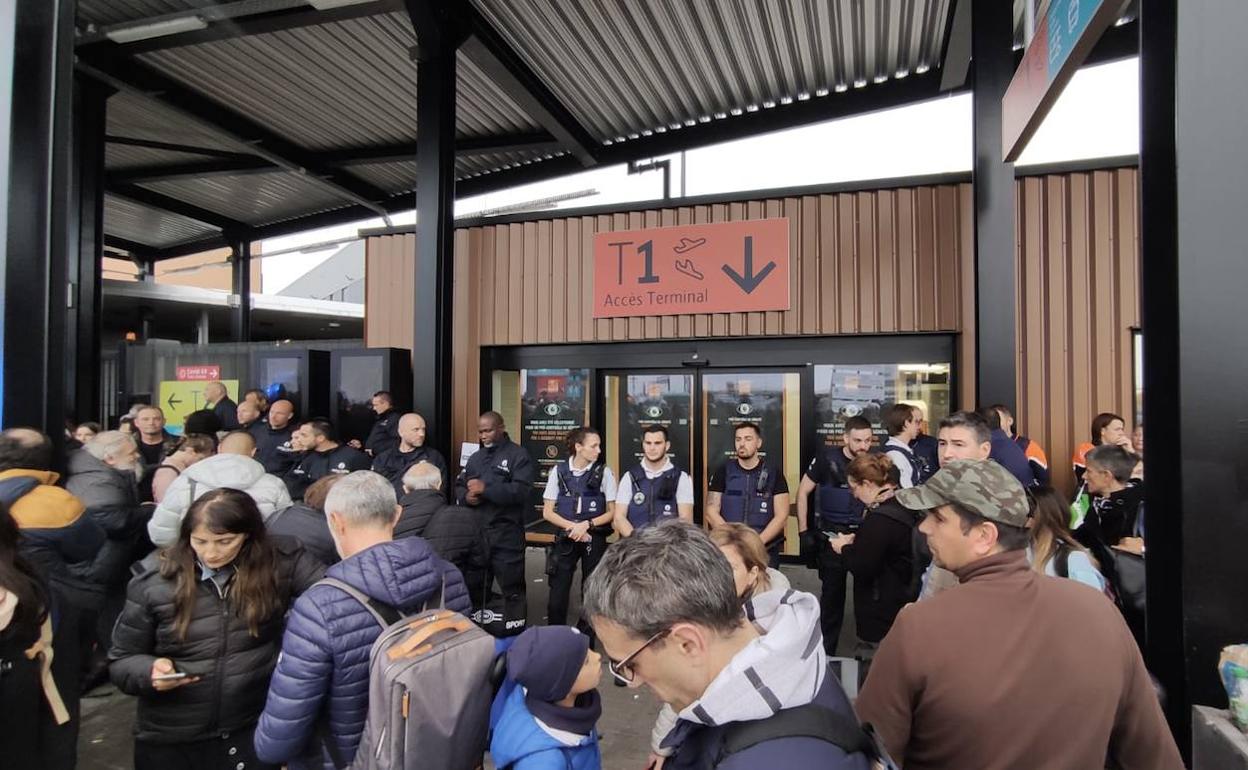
{"type": "Point", "coordinates": [1008, 669]}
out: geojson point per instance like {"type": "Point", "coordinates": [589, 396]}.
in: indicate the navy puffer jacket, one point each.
{"type": "Point", "coordinates": [320, 688]}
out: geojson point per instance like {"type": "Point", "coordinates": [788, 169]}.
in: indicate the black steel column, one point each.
{"type": "Point", "coordinates": [992, 66]}
{"type": "Point", "coordinates": [240, 313]}
{"type": "Point", "coordinates": [439, 35]}
{"type": "Point", "coordinates": [39, 186]}
{"type": "Point", "coordinates": [1194, 179]}
{"type": "Point", "coordinates": [82, 342]}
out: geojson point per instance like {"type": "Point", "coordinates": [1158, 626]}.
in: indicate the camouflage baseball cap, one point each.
{"type": "Point", "coordinates": [980, 486]}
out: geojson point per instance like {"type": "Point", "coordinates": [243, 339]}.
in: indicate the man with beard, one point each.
{"type": "Point", "coordinates": [322, 455]}
{"type": "Point", "coordinates": [838, 512]}
{"type": "Point", "coordinates": [748, 490]}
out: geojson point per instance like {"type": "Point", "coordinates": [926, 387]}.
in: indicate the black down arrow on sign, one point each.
{"type": "Point", "coordinates": [751, 280]}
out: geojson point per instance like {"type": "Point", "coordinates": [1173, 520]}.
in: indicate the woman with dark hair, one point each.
{"type": "Point", "coordinates": [189, 449]}
{"type": "Point", "coordinates": [200, 634]}
{"type": "Point", "coordinates": [1107, 428]}
{"type": "Point", "coordinates": [29, 700]}
{"type": "Point", "coordinates": [879, 554]}
{"type": "Point", "coordinates": [1054, 551]}
{"type": "Point", "coordinates": [579, 500]}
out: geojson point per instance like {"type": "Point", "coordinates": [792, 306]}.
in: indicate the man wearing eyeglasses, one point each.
{"type": "Point", "coordinates": [746, 692]}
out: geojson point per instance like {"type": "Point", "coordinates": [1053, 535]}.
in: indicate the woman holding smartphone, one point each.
{"type": "Point", "coordinates": [200, 633]}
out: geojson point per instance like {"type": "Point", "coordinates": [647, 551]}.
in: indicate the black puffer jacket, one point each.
{"type": "Point", "coordinates": [307, 525]}
{"type": "Point", "coordinates": [234, 667]}
{"type": "Point", "coordinates": [456, 533]}
{"type": "Point", "coordinates": [112, 501]}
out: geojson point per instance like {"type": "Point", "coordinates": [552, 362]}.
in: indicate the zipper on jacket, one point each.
{"type": "Point", "coordinates": [219, 671]}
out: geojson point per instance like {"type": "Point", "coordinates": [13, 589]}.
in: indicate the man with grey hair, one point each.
{"type": "Point", "coordinates": [318, 697]}
{"type": "Point", "coordinates": [665, 607]}
{"type": "Point", "coordinates": [456, 532]}
{"type": "Point", "coordinates": [102, 476]}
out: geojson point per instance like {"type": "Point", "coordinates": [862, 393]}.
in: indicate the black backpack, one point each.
{"type": "Point", "coordinates": [809, 721]}
{"type": "Point", "coordinates": [918, 466]}
{"type": "Point", "coordinates": [920, 554]}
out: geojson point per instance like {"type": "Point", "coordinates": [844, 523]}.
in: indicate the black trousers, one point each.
{"type": "Point", "coordinates": [228, 751]}
{"type": "Point", "coordinates": [566, 555]}
{"type": "Point", "coordinates": [506, 543]}
{"type": "Point", "coordinates": [833, 575]}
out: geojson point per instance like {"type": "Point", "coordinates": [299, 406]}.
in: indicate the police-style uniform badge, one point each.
{"type": "Point", "coordinates": [593, 505]}
{"type": "Point", "coordinates": [667, 509]}
{"type": "Point", "coordinates": [639, 498]}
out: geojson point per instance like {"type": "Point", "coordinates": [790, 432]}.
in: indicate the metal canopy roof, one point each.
{"type": "Point", "coordinates": [270, 116]}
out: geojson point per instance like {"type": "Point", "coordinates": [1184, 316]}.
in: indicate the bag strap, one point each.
{"type": "Point", "coordinates": [384, 614]}
{"type": "Point", "coordinates": [808, 721]}
{"type": "Point", "coordinates": [437, 599]}
{"type": "Point", "coordinates": [1061, 561]}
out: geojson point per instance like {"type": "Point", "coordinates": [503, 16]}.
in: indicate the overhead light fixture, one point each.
{"type": "Point", "coordinates": [325, 5]}
{"type": "Point", "coordinates": [135, 32]}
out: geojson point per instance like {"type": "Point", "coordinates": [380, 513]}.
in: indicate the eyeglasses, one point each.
{"type": "Point", "coordinates": [623, 670]}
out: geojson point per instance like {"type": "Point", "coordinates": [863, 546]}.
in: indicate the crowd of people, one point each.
{"type": "Point", "coordinates": [235, 579]}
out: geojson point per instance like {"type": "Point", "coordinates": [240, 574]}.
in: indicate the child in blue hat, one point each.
{"type": "Point", "coordinates": [549, 705]}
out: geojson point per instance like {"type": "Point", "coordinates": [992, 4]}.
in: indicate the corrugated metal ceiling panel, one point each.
{"type": "Point", "coordinates": [399, 177]}
{"type": "Point", "coordinates": [104, 12]}
{"type": "Point", "coordinates": [153, 227]}
{"type": "Point", "coordinates": [136, 117]}
{"type": "Point", "coordinates": [628, 68]}
{"type": "Point", "coordinates": [333, 85]}
{"type": "Point", "coordinates": [256, 199]}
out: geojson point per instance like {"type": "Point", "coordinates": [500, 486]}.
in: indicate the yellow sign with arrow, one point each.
{"type": "Point", "coordinates": [178, 398]}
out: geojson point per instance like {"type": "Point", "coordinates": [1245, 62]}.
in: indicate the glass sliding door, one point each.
{"type": "Point", "coordinates": [769, 399]}
{"type": "Point", "coordinates": [635, 400]}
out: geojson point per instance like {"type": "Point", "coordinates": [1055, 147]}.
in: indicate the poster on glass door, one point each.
{"type": "Point", "coordinates": [733, 399]}
{"type": "Point", "coordinates": [553, 403]}
{"type": "Point", "coordinates": [656, 399]}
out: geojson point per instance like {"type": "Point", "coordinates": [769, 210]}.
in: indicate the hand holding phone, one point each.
{"type": "Point", "coordinates": [165, 677]}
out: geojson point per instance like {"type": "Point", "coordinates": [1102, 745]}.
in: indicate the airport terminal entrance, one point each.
{"type": "Point", "coordinates": [798, 391]}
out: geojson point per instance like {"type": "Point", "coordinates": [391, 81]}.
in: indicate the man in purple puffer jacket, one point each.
{"type": "Point", "coordinates": [319, 692]}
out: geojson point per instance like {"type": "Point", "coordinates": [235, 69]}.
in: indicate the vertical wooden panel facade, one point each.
{"type": "Point", "coordinates": [890, 261]}
{"type": "Point", "coordinates": [1078, 302]}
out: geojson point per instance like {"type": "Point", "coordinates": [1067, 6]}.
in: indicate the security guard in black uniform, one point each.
{"type": "Point", "coordinates": [838, 512]}
{"type": "Point", "coordinates": [750, 491]}
{"type": "Point", "coordinates": [497, 481]}
{"type": "Point", "coordinates": [580, 501]}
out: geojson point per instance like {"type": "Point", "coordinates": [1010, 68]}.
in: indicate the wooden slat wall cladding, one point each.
{"type": "Point", "coordinates": [885, 261]}
{"type": "Point", "coordinates": [1078, 299]}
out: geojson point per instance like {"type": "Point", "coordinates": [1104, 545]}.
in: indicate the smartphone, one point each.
{"type": "Point", "coordinates": [169, 677]}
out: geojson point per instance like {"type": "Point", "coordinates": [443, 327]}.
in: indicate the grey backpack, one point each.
{"type": "Point", "coordinates": [429, 690]}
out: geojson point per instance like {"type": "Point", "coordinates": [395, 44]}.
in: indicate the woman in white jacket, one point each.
{"type": "Point", "coordinates": [231, 467]}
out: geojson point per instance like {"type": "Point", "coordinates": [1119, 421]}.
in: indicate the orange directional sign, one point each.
{"type": "Point", "coordinates": [728, 267]}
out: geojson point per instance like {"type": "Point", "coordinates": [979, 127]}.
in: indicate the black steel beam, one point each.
{"type": "Point", "coordinates": [992, 66]}
{"type": "Point", "coordinates": [146, 197]}
{"type": "Point", "coordinates": [439, 31]}
{"type": "Point", "coordinates": [173, 147]}
{"type": "Point", "coordinates": [955, 59]}
{"type": "Point", "coordinates": [230, 29]}
{"type": "Point", "coordinates": [82, 340]}
{"type": "Point", "coordinates": [196, 170]}
{"type": "Point", "coordinates": [139, 250]}
{"type": "Point", "coordinates": [1166, 649]}
{"type": "Point", "coordinates": [235, 165]}
{"type": "Point", "coordinates": [487, 49]}
{"type": "Point", "coordinates": [137, 78]}
{"type": "Point", "coordinates": [240, 288]}
{"type": "Point", "coordinates": [39, 194]}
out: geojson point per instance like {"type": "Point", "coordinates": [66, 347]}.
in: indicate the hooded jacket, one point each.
{"type": "Point", "coordinates": [111, 497]}
{"type": "Point", "coordinates": [321, 681]}
{"type": "Point", "coordinates": [971, 678]}
{"type": "Point", "coordinates": [233, 665]}
{"type": "Point", "coordinates": [56, 536]}
{"type": "Point", "coordinates": [781, 669]}
{"type": "Point", "coordinates": [223, 470]}
{"type": "Point", "coordinates": [520, 743]}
